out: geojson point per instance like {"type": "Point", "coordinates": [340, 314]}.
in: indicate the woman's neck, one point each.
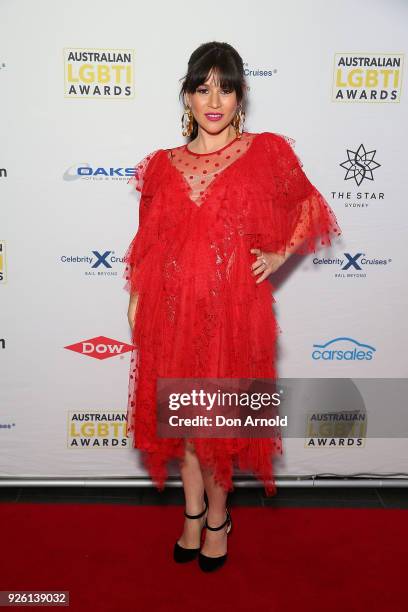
{"type": "Point", "coordinates": [207, 143]}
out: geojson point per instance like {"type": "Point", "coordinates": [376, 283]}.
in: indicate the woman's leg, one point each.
{"type": "Point", "coordinates": [215, 543]}
{"type": "Point", "coordinates": [194, 497]}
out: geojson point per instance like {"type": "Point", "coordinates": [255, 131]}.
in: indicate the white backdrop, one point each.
{"type": "Point", "coordinates": [72, 124]}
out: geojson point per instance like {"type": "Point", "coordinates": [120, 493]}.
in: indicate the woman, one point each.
{"type": "Point", "coordinates": [217, 216]}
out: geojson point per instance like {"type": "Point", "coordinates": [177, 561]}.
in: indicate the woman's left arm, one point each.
{"type": "Point", "coordinates": [302, 219]}
{"type": "Point", "coordinates": [266, 263]}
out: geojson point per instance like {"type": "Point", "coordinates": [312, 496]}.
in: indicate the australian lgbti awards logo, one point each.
{"type": "Point", "coordinates": [2, 262]}
{"type": "Point", "coordinates": [336, 429]}
{"type": "Point", "coordinates": [367, 77]}
{"type": "Point", "coordinates": [100, 347]}
{"type": "Point", "coordinates": [91, 429]}
{"type": "Point", "coordinates": [99, 73]}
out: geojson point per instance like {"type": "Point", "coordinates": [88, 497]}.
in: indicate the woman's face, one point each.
{"type": "Point", "coordinates": [213, 107]}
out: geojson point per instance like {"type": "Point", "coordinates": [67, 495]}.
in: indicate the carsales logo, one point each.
{"type": "Point", "coordinates": [343, 349]}
{"type": "Point", "coordinates": [100, 347]}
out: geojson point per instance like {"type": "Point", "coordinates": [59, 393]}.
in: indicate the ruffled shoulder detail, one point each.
{"type": "Point", "coordinates": [284, 146]}
{"type": "Point", "coordinates": [291, 141]}
{"type": "Point", "coordinates": [289, 214]}
{"type": "Point", "coordinates": [145, 181]}
{"type": "Point", "coordinates": [142, 170]}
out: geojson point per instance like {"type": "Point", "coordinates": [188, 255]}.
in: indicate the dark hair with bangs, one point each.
{"type": "Point", "coordinates": [223, 59]}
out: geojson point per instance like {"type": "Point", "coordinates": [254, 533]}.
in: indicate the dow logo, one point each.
{"type": "Point", "coordinates": [343, 349]}
{"type": "Point", "coordinates": [360, 165]}
{"type": "Point", "coordinates": [100, 347]}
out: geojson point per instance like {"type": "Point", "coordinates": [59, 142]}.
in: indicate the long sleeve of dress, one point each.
{"type": "Point", "coordinates": [299, 218]}
{"type": "Point", "coordinates": [147, 233]}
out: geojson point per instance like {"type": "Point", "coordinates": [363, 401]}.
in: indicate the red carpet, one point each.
{"type": "Point", "coordinates": [118, 557]}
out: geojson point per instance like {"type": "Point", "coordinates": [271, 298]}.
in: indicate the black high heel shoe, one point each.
{"type": "Point", "coordinates": [181, 554]}
{"type": "Point", "coordinates": [209, 564]}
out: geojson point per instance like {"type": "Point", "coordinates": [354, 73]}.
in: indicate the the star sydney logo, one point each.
{"type": "Point", "coordinates": [360, 165]}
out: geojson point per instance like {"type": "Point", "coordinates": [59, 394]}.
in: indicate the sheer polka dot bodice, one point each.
{"type": "Point", "coordinates": [200, 170]}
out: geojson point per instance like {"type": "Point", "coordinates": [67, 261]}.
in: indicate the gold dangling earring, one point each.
{"type": "Point", "coordinates": [187, 122]}
{"type": "Point", "coordinates": [238, 122]}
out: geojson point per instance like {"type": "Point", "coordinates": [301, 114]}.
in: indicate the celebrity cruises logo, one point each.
{"type": "Point", "coordinates": [367, 77]}
{"type": "Point", "coordinates": [94, 264]}
{"type": "Point", "coordinates": [354, 265]}
{"type": "Point", "coordinates": [99, 73]}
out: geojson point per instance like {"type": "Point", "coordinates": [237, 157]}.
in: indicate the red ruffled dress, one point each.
{"type": "Point", "coordinates": [200, 312]}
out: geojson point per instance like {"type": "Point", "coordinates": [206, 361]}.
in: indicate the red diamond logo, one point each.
{"type": "Point", "coordinates": [100, 347]}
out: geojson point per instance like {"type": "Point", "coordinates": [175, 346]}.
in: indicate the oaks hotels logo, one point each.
{"type": "Point", "coordinates": [91, 172]}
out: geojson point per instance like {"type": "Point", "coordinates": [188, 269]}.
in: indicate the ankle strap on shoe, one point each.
{"type": "Point", "coordinates": [227, 520]}
{"type": "Point", "coordinates": [196, 516]}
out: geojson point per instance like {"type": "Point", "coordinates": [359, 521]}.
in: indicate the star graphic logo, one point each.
{"type": "Point", "coordinates": [360, 165]}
